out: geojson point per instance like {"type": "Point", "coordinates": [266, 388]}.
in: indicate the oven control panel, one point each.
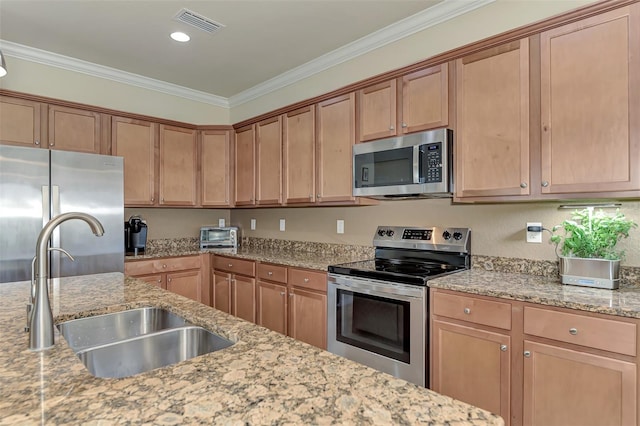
{"type": "Point", "coordinates": [427, 238]}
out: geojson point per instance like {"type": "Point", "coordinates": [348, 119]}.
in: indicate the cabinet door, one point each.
{"type": "Point", "coordinates": [299, 156]}
{"type": "Point", "coordinates": [244, 298]}
{"type": "Point", "coordinates": [222, 291]}
{"type": "Point", "coordinates": [135, 140]}
{"type": "Point", "coordinates": [73, 129]}
{"type": "Point", "coordinates": [377, 111]}
{"type": "Point", "coordinates": [272, 306]}
{"type": "Point", "coordinates": [472, 365]}
{"type": "Point", "coordinates": [178, 166]}
{"type": "Point", "coordinates": [20, 122]}
{"type": "Point", "coordinates": [269, 162]}
{"type": "Point", "coordinates": [425, 99]}
{"type": "Point", "coordinates": [590, 103]}
{"type": "Point", "coordinates": [187, 284]}
{"type": "Point", "coordinates": [566, 387]}
{"type": "Point", "coordinates": [157, 280]}
{"type": "Point", "coordinates": [245, 166]}
{"type": "Point", "coordinates": [335, 136]}
{"type": "Point", "coordinates": [493, 122]}
{"type": "Point", "coordinates": [308, 317]}
{"type": "Point", "coordinates": [215, 168]}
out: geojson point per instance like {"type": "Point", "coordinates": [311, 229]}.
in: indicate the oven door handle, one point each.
{"type": "Point", "coordinates": [399, 293]}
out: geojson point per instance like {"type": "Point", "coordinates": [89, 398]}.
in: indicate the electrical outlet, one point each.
{"type": "Point", "coordinates": [534, 236]}
{"type": "Point", "coordinates": [253, 224]}
{"type": "Point", "coordinates": [282, 224]}
{"type": "Point", "coordinates": [221, 222]}
{"type": "Point", "coordinates": [340, 226]}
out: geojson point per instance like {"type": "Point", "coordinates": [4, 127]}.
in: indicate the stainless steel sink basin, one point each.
{"type": "Point", "coordinates": [92, 331]}
{"type": "Point", "coordinates": [143, 353]}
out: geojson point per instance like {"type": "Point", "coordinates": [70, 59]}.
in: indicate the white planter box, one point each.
{"type": "Point", "coordinates": [598, 273]}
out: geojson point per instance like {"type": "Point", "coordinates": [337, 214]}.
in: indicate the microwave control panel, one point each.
{"type": "Point", "coordinates": [432, 168]}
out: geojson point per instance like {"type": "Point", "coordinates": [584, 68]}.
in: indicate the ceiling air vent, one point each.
{"type": "Point", "coordinates": [203, 23]}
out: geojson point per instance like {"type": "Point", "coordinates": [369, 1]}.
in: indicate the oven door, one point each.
{"type": "Point", "coordinates": [380, 324]}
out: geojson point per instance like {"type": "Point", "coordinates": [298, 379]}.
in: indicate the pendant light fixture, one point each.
{"type": "Point", "coordinates": [3, 66]}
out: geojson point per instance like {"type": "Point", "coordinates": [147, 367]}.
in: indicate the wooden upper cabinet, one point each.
{"type": "Point", "coordinates": [269, 161]}
{"type": "Point", "coordinates": [178, 166]}
{"type": "Point", "coordinates": [299, 155]}
{"type": "Point", "coordinates": [215, 168]}
{"type": "Point", "coordinates": [377, 111]}
{"type": "Point", "coordinates": [135, 140]}
{"type": "Point", "coordinates": [590, 104]}
{"type": "Point", "coordinates": [73, 129]}
{"type": "Point", "coordinates": [244, 148]}
{"type": "Point", "coordinates": [492, 137]}
{"type": "Point", "coordinates": [20, 122]}
{"type": "Point", "coordinates": [411, 103]}
{"type": "Point", "coordinates": [425, 100]}
{"type": "Point", "coordinates": [335, 136]}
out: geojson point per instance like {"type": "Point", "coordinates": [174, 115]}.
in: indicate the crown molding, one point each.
{"type": "Point", "coordinates": [441, 12]}
{"type": "Point", "coordinates": [72, 64]}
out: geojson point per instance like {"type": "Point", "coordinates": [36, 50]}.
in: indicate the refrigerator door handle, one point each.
{"type": "Point", "coordinates": [45, 205]}
{"type": "Point", "coordinates": [55, 258]}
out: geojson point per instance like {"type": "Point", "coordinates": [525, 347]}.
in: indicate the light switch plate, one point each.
{"type": "Point", "coordinates": [220, 222]}
{"type": "Point", "coordinates": [253, 224]}
{"type": "Point", "coordinates": [282, 224]}
{"type": "Point", "coordinates": [340, 226]}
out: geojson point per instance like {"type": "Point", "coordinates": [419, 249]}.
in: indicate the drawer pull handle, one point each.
{"type": "Point", "coordinates": [306, 280]}
{"type": "Point", "coordinates": [573, 331]}
{"type": "Point", "coordinates": [230, 265]}
{"type": "Point", "coordinates": [467, 311]}
{"type": "Point", "coordinates": [269, 273]}
{"type": "Point", "coordinates": [527, 354]}
{"type": "Point", "coordinates": [503, 348]}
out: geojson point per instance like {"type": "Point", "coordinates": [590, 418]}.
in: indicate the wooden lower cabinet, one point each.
{"type": "Point", "coordinates": [546, 366]}
{"type": "Point", "coordinates": [180, 275]}
{"type": "Point", "coordinates": [272, 306]}
{"type": "Point", "coordinates": [235, 295]}
{"type": "Point", "coordinates": [308, 317]}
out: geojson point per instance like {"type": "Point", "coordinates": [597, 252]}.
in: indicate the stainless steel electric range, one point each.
{"type": "Point", "coordinates": [378, 309]}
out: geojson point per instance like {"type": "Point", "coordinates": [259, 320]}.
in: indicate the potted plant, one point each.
{"type": "Point", "coordinates": [588, 247]}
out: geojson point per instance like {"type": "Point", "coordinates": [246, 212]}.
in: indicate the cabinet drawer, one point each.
{"type": "Point", "coordinates": [472, 309]}
{"type": "Point", "coordinates": [598, 333]}
{"type": "Point", "coordinates": [169, 264]}
{"type": "Point", "coordinates": [308, 279]}
{"type": "Point", "coordinates": [235, 265]}
{"type": "Point", "coordinates": [271, 272]}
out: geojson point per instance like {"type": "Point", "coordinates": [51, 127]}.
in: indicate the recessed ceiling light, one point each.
{"type": "Point", "coordinates": [179, 36]}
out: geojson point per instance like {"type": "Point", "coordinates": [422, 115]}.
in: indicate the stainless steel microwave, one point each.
{"type": "Point", "coordinates": [414, 165]}
{"type": "Point", "coordinates": [214, 237]}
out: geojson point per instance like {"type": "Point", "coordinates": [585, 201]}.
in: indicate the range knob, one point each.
{"type": "Point", "coordinates": [446, 235]}
{"type": "Point", "coordinates": [457, 236]}
{"type": "Point", "coordinates": [381, 232]}
{"type": "Point", "coordinates": [390, 232]}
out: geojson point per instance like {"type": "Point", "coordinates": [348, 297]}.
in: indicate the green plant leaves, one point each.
{"type": "Point", "coordinates": [592, 233]}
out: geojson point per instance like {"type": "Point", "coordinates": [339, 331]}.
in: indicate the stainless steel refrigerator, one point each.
{"type": "Point", "coordinates": [38, 184]}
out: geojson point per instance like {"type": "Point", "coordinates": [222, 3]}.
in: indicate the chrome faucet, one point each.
{"type": "Point", "coordinates": [41, 320]}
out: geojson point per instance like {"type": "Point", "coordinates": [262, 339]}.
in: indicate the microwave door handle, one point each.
{"type": "Point", "coordinates": [417, 164]}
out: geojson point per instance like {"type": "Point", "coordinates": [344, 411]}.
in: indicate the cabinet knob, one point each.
{"type": "Point", "coordinates": [37, 142]}
{"type": "Point", "coordinates": [164, 265]}
{"type": "Point", "coordinates": [311, 196]}
{"type": "Point", "coordinates": [527, 354]}
{"type": "Point", "coordinates": [169, 279]}
{"type": "Point", "coordinates": [52, 143]}
{"type": "Point", "coordinates": [230, 265]}
{"type": "Point", "coordinates": [306, 280]}
{"type": "Point", "coordinates": [318, 196]}
{"type": "Point", "coordinates": [391, 128]}
{"type": "Point", "coordinates": [282, 293]}
{"type": "Point", "coordinates": [503, 348]}
{"type": "Point", "coordinates": [269, 273]}
{"type": "Point", "coordinates": [153, 199]}
{"type": "Point", "coordinates": [291, 295]}
{"type": "Point", "coordinates": [523, 185]}
{"type": "Point", "coordinates": [404, 125]}
{"type": "Point", "coordinates": [544, 183]}
{"type": "Point", "coordinates": [573, 331]}
{"type": "Point", "coordinates": [467, 311]}
{"type": "Point", "coordinates": [159, 280]}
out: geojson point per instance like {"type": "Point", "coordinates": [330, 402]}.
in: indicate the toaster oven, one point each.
{"type": "Point", "coordinates": [215, 237]}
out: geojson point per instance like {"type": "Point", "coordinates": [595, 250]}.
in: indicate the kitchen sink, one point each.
{"type": "Point", "coordinates": [147, 352]}
{"type": "Point", "coordinates": [97, 330]}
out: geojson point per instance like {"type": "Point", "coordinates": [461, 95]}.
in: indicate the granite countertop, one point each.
{"type": "Point", "coordinates": [297, 258]}
{"type": "Point", "coordinates": [624, 301]}
{"type": "Point", "coordinates": [264, 378]}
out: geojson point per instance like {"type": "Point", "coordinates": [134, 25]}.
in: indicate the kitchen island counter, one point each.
{"type": "Point", "coordinates": [264, 378]}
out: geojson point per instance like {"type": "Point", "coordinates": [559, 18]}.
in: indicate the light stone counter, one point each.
{"type": "Point", "coordinates": [264, 378]}
{"type": "Point", "coordinates": [549, 291]}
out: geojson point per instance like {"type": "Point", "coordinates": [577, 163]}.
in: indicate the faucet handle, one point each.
{"type": "Point", "coordinates": [61, 250]}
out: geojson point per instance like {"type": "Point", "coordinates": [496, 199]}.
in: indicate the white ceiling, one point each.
{"type": "Point", "coordinates": [262, 39]}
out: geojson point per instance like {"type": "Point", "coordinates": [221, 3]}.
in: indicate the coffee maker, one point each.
{"type": "Point", "coordinates": [135, 236]}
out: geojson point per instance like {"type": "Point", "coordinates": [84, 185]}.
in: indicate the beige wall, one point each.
{"type": "Point", "coordinates": [43, 80]}
{"type": "Point", "coordinates": [497, 229]}
{"type": "Point", "coordinates": [495, 18]}
{"type": "Point", "coordinates": [177, 223]}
